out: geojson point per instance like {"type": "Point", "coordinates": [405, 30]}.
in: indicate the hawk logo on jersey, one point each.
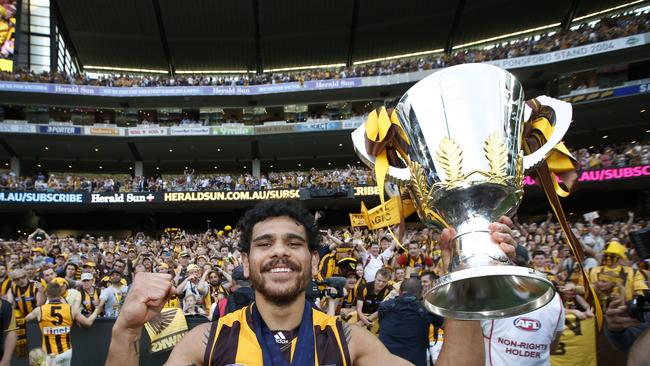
{"type": "Point", "coordinates": [528, 324]}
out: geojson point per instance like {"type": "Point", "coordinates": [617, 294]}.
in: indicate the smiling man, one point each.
{"type": "Point", "coordinates": [279, 243]}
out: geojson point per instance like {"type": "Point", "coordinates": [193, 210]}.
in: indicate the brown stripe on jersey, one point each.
{"type": "Point", "coordinates": [327, 348]}
{"type": "Point", "coordinates": [225, 345]}
{"type": "Point", "coordinates": [344, 341]}
{"type": "Point", "coordinates": [210, 345]}
{"type": "Point", "coordinates": [48, 345]}
{"type": "Point", "coordinates": [59, 344]}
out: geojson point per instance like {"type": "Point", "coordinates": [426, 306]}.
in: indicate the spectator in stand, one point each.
{"type": "Point", "coordinates": [616, 26]}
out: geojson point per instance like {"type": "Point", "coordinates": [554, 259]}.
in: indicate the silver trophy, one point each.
{"type": "Point", "coordinates": [465, 169]}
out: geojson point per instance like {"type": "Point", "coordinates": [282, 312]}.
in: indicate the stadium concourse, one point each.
{"type": "Point", "coordinates": [135, 137]}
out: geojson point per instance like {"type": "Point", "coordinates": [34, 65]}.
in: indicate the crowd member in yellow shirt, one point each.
{"type": "Point", "coordinates": [612, 277]}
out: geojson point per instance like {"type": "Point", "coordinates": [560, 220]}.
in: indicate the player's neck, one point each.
{"type": "Point", "coordinates": [286, 317]}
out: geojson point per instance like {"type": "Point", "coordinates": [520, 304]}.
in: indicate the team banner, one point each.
{"type": "Point", "coordinates": [358, 219]}
{"type": "Point", "coordinates": [577, 345]}
{"type": "Point", "coordinates": [166, 330]}
{"type": "Point", "coordinates": [383, 215]}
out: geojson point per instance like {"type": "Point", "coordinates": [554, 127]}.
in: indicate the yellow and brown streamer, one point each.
{"type": "Point", "coordinates": [387, 142]}
{"type": "Point", "coordinates": [559, 162]}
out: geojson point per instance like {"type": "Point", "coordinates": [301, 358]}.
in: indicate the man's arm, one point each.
{"type": "Point", "coordinates": [9, 321]}
{"type": "Point", "coordinates": [366, 349]}
{"type": "Point", "coordinates": [146, 298]}
{"type": "Point", "coordinates": [86, 321]}
{"type": "Point", "coordinates": [463, 344]}
{"type": "Point", "coordinates": [190, 350]}
{"type": "Point", "coordinates": [34, 315]}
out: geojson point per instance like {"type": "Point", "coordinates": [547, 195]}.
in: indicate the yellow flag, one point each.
{"type": "Point", "coordinates": [358, 219]}
{"type": "Point", "coordinates": [390, 214]}
{"type": "Point", "coordinates": [167, 329]}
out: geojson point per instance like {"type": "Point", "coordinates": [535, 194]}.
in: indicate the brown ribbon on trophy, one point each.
{"type": "Point", "coordinates": [558, 163]}
{"type": "Point", "coordinates": [387, 142]}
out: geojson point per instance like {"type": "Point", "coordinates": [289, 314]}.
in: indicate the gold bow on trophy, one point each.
{"type": "Point", "coordinates": [387, 142]}
{"type": "Point", "coordinates": [559, 162]}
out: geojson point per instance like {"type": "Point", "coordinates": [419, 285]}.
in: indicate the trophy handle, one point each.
{"type": "Point", "coordinates": [400, 176]}
{"type": "Point", "coordinates": [563, 114]}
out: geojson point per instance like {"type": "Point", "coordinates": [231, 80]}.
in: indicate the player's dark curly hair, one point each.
{"type": "Point", "coordinates": [268, 209]}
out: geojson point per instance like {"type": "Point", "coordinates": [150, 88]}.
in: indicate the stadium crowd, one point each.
{"type": "Point", "coordinates": [621, 155]}
{"type": "Point", "coordinates": [190, 181]}
{"type": "Point", "coordinates": [592, 32]}
{"type": "Point", "coordinates": [95, 272]}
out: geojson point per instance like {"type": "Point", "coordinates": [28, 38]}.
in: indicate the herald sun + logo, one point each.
{"type": "Point", "coordinates": [527, 324]}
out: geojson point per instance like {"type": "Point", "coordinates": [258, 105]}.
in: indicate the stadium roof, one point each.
{"type": "Point", "coordinates": [202, 35]}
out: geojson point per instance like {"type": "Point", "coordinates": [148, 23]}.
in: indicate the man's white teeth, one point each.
{"type": "Point", "coordinates": [278, 270]}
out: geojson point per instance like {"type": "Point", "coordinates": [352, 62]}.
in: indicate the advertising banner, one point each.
{"type": "Point", "coordinates": [374, 217]}
{"type": "Point", "coordinates": [571, 53]}
{"type": "Point", "coordinates": [17, 128]}
{"type": "Point", "coordinates": [135, 197]}
{"type": "Point", "coordinates": [147, 131]}
{"type": "Point", "coordinates": [271, 129]}
{"type": "Point", "coordinates": [189, 131]}
{"type": "Point", "coordinates": [40, 197]}
{"type": "Point", "coordinates": [104, 131]}
{"type": "Point", "coordinates": [60, 130]}
{"type": "Point", "coordinates": [232, 130]}
{"type": "Point", "coordinates": [311, 126]}
{"type": "Point", "coordinates": [273, 194]}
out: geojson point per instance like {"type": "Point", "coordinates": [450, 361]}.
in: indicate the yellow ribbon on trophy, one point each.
{"type": "Point", "coordinates": [387, 142]}
{"type": "Point", "coordinates": [559, 162]}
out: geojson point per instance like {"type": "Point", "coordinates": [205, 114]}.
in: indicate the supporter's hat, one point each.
{"type": "Point", "coordinates": [616, 248]}
{"type": "Point", "coordinates": [114, 271]}
{"type": "Point", "coordinates": [193, 267]}
{"type": "Point", "coordinates": [60, 281]}
{"type": "Point", "coordinates": [227, 228]}
{"type": "Point", "coordinates": [238, 274]}
{"type": "Point", "coordinates": [203, 256]}
{"type": "Point", "coordinates": [86, 276]}
{"type": "Point", "coordinates": [163, 266]}
{"type": "Point", "coordinates": [90, 264]}
{"type": "Point", "coordinates": [37, 249]}
{"type": "Point", "coordinates": [186, 254]}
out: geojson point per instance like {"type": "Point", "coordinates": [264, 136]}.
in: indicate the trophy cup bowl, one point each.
{"type": "Point", "coordinates": [465, 169]}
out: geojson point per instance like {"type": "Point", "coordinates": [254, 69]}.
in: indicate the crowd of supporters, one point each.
{"type": "Point", "coordinates": [190, 181]}
{"type": "Point", "coordinates": [622, 155]}
{"type": "Point", "coordinates": [97, 271]}
{"type": "Point", "coordinates": [613, 156]}
{"type": "Point", "coordinates": [602, 30]}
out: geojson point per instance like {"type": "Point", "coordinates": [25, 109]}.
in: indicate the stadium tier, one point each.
{"type": "Point", "coordinates": [315, 182]}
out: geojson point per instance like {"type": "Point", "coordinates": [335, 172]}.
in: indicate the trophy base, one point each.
{"type": "Point", "coordinates": [489, 292]}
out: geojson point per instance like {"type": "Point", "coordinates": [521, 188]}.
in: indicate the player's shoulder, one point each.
{"type": "Point", "coordinates": [235, 316]}
{"type": "Point", "coordinates": [323, 320]}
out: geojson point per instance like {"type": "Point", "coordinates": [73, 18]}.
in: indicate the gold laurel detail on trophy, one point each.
{"type": "Point", "coordinates": [450, 157]}
{"type": "Point", "coordinates": [497, 156]}
{"type": "Point", "coordinates": [519, 175]}
{"type": "Point", "coordinates": [419, 182]}
{"type": "Point", "coordinates": [418, 185]}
